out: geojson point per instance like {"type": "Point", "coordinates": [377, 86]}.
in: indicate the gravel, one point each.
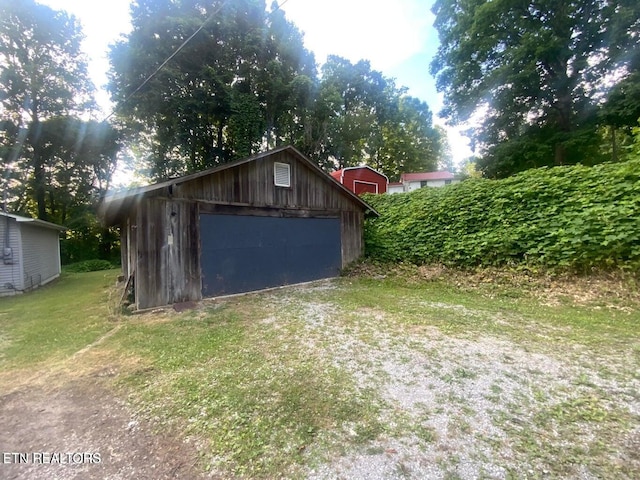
{"type": "Point", "coordinates": [447, 400]}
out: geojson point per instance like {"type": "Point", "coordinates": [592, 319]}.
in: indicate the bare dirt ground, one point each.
{"type": "Point", "coordinates": [64, 428]}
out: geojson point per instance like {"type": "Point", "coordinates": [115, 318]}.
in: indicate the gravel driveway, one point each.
{"type": "Point", "coordinates": [476, 407]}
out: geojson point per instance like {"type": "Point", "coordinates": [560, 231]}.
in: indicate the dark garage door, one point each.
{"type": "Point", "coordinates": [245, 253]}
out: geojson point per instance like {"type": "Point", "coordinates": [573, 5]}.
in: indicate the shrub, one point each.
{"type": "Point", "coordinates": [88, 266]}
{"type": "Point", "coordinates": [574, 218]}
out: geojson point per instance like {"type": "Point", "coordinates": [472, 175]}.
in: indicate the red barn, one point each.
{"type": "Point", "coordinates": [362, 179]}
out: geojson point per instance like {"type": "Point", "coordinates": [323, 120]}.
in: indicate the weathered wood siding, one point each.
{"type": "Point", "coordinates": [161, 237]}
{"type": "Point", "coordinates": [249, 189]}
{"type": "Point", "coordinates": [167, 263]}
{"type": "Point", "coordinates": [252, 184]}
{"type": "Point", "coordinates": [352, 236]}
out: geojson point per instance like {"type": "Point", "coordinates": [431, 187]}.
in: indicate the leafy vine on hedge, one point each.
{"type": "Point", "coordinates": [570, 218]}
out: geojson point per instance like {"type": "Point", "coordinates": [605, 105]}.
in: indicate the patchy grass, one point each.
{"type": "Point", "coordinates": [544, 312]}
{"type": "Point", "coordinates": [54, 321]}
{"type": "Point", "coordinates": [260, 402]}
{"type": "Point", "coordinates": [413, 372]}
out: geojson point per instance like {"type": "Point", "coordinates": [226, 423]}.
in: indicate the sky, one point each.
{"type": "Point", "coordinates": [396, 37]}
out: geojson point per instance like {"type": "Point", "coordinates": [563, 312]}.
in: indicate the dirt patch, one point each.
{"type": "Point", "coordinates": [79, 430]}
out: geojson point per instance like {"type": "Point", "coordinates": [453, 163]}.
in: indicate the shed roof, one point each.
{"type": "Point", "coordinates": [338, 173]}
{"type": "Point", "coordinates": [418, 177]}
{"type": "Point", "coordinates": [33, 221]}
{"type": "Point", "coordinates": [116, 202]}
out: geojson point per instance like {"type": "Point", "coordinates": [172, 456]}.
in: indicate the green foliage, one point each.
{"type": "Point", "coordinates": [94, 265]}
{"type": "Point", "coordinates": [238, 82]}
{"type": "Point", "coordinates": [568, 218]}
{"type": "Point", "coordinates": [246, 82]}
{"type": "Point", "coordinates": [44, 83]}
{"type": "Point", "coordinates": [532, 74]}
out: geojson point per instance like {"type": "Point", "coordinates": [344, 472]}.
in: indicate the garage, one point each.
{"type": "Point", "coordinates": [245, 253]}
{"type": "Point", "coordinates": [272, 219]}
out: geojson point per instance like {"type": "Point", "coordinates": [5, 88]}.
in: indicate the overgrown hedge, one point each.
{"type": "Point", "coordinates": [570, 218]}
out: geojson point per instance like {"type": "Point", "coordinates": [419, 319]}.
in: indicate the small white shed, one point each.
{"type": "Point", "coordinates": [30, 253]}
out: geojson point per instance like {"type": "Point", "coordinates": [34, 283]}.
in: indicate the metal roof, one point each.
{"type": "Point", "coordinates": [417, 177]}
{"type": "Point", "coordinates": [33, 221]}
{"type": "Point", "coordinates": [338, 173]}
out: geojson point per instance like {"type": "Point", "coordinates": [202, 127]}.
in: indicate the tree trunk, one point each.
{"type": "Point", "coordinates": [39, 181]}
{"type": "Point", "coordinates": [39, 176]}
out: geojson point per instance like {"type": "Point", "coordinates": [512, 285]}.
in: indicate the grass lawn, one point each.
{"type": "Point", "coordinates": [411, 375]}
{"type": "Point", "coordinates": [53, 322]}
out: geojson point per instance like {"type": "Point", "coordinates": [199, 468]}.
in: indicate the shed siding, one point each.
{"type": "Point", "coordinates": [124, 248]}
{"type": "Point", "coordinates": [352, 176]}
{"type": "Point", "coordinates": [11, 278]}
{"type": "Point", "coordinates": [41, 255]}
{"type": "Point", "coordinates": [252, 184]}
{"type": "Point", "coordinates": [161, 233]}
{"type": "Point", "coordinates": [352, 236]}
{"type": "Point", "coordinates": [168, 263]}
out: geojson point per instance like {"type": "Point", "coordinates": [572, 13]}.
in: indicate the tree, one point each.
{"type": "Point", "coordinates": [361, 116]}
{"type": "Point", "coordinates": [234, 86]}
{"type": "Point", "coordinates": [533, 71]}
{"type": "Point", "coordinates": [81, 159]}
{"type": "Point", "coordinates": [620, 114]}
{"type": "Point", "coordinates": [42, 75]}
{"type": "Point", "coordinates": [246, 82]}
{"type": "Point", "coordinates": [410, 142]}
{"type": "Point", "coordinates": [285, 80]}
{"type": "Point", "coordinates": [56, 165]}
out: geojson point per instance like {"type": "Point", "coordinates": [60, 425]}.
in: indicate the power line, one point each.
{"type": "Point", "coordinates": [170, 57]}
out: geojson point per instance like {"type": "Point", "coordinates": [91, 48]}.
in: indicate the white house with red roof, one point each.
{"type": "Point", "coordinates": [413, 181]}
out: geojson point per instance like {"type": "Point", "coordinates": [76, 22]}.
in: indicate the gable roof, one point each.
{"type": "Point", "coordinates": [419, 177]}
{"type": "Point", "coordinates": [33, 221]}
{"type": "Point", "coordinates": [339, 173]}
{"type": "Point", "coordinates": [112, 203]}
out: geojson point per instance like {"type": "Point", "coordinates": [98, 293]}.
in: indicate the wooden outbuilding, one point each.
{"type": "Point", "coordinates": [268, 220]}
{"type": "Point", "coordinates": [362, 179]}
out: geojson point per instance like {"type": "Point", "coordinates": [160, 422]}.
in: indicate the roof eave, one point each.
{"type": "Point", "coordinates": [111, 209]}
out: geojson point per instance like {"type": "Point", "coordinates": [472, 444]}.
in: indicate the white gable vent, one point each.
{"type": "Point", "coordinates": [282, 174]}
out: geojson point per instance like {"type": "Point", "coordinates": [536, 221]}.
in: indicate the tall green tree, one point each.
{"type": "Point", "coordinates": [410, 141]}
{"type": "Point", "coordinates": [620, 114]}
{"type": "Point", "coordinates": [362, 116]}
{"type": "Point", "coordinates": [56, 165]}
{"type": "Point", "coordinates": [286, 76]}
{"type": "Point", "coordinates": [42, 75]}
{"type": "Point", "coordinates": [533, 72]}
{"type": "Point", "coordinates": [235, 86]}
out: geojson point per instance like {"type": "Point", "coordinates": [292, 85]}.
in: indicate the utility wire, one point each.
{"type": "Point", "coordinates": [170, 57]}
